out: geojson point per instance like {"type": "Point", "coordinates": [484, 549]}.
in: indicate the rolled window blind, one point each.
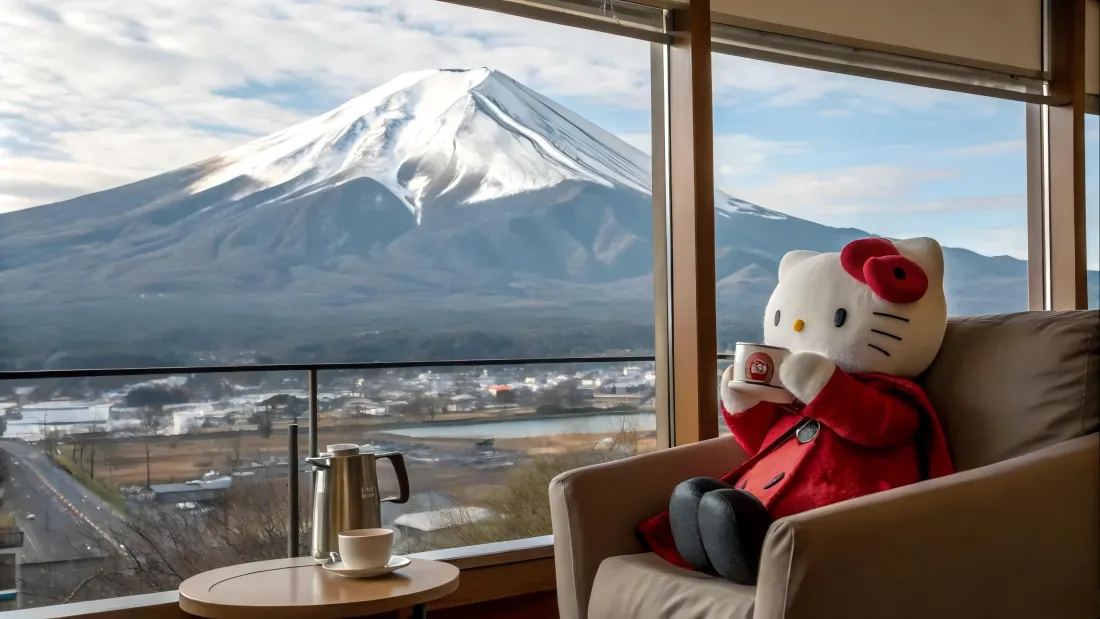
{"type": "Point", "coordinates": [1003, 35]}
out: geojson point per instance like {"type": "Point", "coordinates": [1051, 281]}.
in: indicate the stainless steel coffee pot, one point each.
{"type": "Point", "coordinates": [345, 493]}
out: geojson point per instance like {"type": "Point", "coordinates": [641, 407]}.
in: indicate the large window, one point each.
{"type": "Point", "coordinates": [309, 183]}
{"type": "Point", "coordinates": [811, 160]}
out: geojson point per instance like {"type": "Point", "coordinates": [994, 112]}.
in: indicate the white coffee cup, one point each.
{"type": "Point", "coordinates": [758, 364]}
{"type": "Point", "coordinates": [363, 549]}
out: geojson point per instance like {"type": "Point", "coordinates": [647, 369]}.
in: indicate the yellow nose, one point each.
{"type": "Point", "coordinates": [799, 325]}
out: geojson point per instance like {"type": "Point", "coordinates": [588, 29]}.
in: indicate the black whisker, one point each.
{"type": "Point", "coordinates": [886, 334]}
{"type": "Point", "coordinates": [901, 318]}
{"type": "Point", "coordinates": [879, 349]}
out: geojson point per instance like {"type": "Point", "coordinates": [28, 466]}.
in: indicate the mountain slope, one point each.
{"type": "Point", "coordinates": [457, 197]}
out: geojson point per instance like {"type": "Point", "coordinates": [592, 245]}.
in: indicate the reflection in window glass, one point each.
{"type": "Point", "coordinates": [1092, 206]}
{"type": "Point", "coordinates": [411, 180]}
{"type": "Point", "coordinates": [811, 160]}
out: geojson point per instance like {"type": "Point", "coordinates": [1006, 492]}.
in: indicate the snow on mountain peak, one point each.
{"type": "Point", "coordinates": [467, 135]}
{"type": "Point", "coordinates": [727, 205]}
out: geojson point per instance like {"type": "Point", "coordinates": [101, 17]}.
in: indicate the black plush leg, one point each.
{"type": "Point", "coordinates": [683, 512]}
{"type": "Point", "coordinates": [732, 526]}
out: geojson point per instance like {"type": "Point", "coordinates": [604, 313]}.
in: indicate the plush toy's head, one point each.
{"type": "Point", "coordinates": [877, 306]}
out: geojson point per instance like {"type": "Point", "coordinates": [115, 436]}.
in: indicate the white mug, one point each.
{"type": "Point", "coordinates": [364, 549]}
{"type": "Point", "coordinates": [758, 364]}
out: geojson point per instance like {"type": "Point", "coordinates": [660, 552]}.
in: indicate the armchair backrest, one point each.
{"type": "Point", "coordinates": [1010, 384]}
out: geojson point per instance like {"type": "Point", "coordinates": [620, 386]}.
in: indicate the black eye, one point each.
{"type": "Point", "coordinates": [899, 273]}
{"type": "Point", "coordinates": [777, 318]}
{"type": "Point", "coordinates": [840, 316]}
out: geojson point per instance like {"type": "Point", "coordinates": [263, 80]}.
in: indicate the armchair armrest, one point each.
{"type": "Point", "coordinates": [594, 509]}
{"type": "Point", "coordinates": [1014, 539]}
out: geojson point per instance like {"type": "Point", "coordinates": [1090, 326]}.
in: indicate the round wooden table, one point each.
{"type": "Point", "coordinates": [301, 589]}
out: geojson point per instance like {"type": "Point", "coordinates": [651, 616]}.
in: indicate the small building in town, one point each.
{"type": "Point", "coordinates": [440, 527]}
{"type": "Point", "coordinates": [462, 403]}
{"type": "Point", "coordinates": [192, 491]}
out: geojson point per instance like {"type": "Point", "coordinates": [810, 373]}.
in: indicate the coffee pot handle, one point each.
{"type": "Point", "coordinates": [398, 462]}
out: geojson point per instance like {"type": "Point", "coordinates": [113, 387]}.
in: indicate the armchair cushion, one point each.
{"type": "Point", "coordinates": [1014, 540]}
{"type": "Point", "coordinates": [645, 586]}
{"type": "Point", "coordinates": [1006, 385]}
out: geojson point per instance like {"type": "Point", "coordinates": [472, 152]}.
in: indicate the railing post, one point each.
{"type": "Point", "coordinates": [292, 487]}
{"type": "Point", "coordinates": [313, 412]}
{"type": "Point", "coordinates": [313, 429]}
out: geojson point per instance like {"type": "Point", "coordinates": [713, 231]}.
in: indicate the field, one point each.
{"type": "Point", "coordinates": [174, 459]}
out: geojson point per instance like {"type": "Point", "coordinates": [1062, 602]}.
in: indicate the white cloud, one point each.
{"type": "Point", "coordinates": [985, 150]}
{"type": "Point", "coordinates": [95, 93]}
{"type": "Point", "coordinates": [641, 141]}
{"type": "Point", "coordinates": [997, 241]}
{"type": "Point", "coordinates": [843, 191]}
{"type": "Point", "coordinates": [783, 85]}
{"type": "Point", "coordinates": [741, 155]}
{"type": "Point", "coordinates": [735, 155]}
{"type": "Point", "coordinates": [1014, 202]}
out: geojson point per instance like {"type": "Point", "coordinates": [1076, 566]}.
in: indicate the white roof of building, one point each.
{"type": "Point", "coordinates": [439, 519]}
{"type": "Point", "coordinates": [462, 398]}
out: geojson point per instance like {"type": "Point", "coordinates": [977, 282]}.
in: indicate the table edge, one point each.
{"type": "Point", "coordinates": [211, 610]}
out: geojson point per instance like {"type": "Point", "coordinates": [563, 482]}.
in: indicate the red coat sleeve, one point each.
{"type": "Point", "coordinates": [862, 414]}
{"type": "Point", "coordinates": [750, 427]}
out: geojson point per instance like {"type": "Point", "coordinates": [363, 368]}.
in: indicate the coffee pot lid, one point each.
{"type": "Point", "coordinates": [343, 449]}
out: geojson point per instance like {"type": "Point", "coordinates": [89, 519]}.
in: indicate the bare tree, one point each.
{"type": "Point", "coordinates": [150, 426]}
{"type": "Point", "coordinates": [158, 546]}
{"type": "Point", "coordinates": [520, 508]}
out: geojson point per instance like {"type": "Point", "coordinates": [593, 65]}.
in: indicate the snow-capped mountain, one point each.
{"type": "Point", "coordinates": [440, 198]}
{"type": "Point", "coordinates": [461, 136]}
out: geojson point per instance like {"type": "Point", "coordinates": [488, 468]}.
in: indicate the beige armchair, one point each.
{"type": "Point", "coordinates": [1016, 533]}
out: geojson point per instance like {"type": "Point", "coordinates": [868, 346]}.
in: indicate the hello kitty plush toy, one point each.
{"type": "Point", "coordinates": [860, 324]}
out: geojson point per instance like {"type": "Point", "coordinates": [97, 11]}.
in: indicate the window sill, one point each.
{"type": "Point", "coordinates": [484, 579]}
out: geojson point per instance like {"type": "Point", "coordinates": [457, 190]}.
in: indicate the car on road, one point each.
{"type": "Point", "coordinates": [30, 516]}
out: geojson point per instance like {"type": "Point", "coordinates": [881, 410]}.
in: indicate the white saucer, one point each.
{"type": "Point", "coordinates": [766, 393]}
{"type": "Point", "coordinates": [394, 564]}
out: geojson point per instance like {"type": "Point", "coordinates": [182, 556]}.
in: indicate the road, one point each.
{"type": "Point", "coordinates": [70, 522]}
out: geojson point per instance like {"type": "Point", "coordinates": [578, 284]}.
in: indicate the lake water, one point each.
{"type": "Point", "coordinates": [528, 428]}
{"type": "Point", "coordinates": [74, 419]}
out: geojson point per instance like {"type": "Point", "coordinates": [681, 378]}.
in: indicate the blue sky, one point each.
{"type": "Point", "coordinates": [97, 93]}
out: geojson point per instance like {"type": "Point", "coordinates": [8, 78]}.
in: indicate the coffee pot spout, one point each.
{"type": "Point", "coordinates": [319, 462]}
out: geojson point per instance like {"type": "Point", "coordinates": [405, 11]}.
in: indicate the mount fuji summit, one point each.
{"type": "Point", "coordinates": [440, 200]}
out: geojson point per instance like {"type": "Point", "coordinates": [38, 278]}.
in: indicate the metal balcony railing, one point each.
{"type": "Point", "coordinates": [312, 369]}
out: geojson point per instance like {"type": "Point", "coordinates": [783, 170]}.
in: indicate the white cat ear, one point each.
{"type": "Point", "coordinates": [792, 258]}
{"type": "Point", "coordinates": [926, 252]}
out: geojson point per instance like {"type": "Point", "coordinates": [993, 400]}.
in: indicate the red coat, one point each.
{"type": "Point", "coordinates": [863, 441]}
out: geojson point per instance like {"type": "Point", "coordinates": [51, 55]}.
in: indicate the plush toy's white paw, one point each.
{"type": "Point", "coordinates": [736, 400]}
{"type": "Point", "coordinates": [805, 374]}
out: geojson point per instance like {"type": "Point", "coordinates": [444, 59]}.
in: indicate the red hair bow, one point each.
{"type": "Point", "coordinates": [891, 276]}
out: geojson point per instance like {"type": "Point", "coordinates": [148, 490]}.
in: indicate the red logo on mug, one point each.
{"type": "Point", "coordinates": [758, 367]}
